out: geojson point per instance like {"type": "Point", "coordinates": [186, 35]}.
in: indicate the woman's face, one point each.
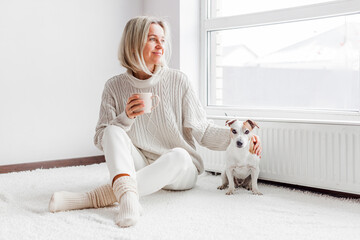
{"type": "Point", "coordinates": [154, 47]}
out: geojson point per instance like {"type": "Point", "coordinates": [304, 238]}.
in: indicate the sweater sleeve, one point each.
{"type": "Point", "coordinates": [110, 116]}
{"type": "Point", "coordinates": [205, 132]}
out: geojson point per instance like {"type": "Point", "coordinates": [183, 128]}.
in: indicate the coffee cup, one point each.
{"type": "Point", "coordinates": [148, 101]}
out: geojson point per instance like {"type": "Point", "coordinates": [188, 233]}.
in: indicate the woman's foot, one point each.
{"type": "Point", "coordinates": [99, 197]}
{"type": "Point", "coordinates": [129, 211]}
{"type": "Point", "coordinates": [125, 190]}
{"type": "Point", "coordinates": [63, 201]}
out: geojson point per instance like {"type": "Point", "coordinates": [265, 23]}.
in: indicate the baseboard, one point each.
{"type": "Point", "coordinates": [52, 164]}
{"type": "Point", "coordinates": [312, 189]}
{"type": "Point", "coordinates": [304, 188]}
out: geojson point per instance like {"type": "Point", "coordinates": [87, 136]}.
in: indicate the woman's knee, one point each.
{"type": "Point", "coordinates": [184, 170]}
{"type": "Point", "coordinates": [180, 158]}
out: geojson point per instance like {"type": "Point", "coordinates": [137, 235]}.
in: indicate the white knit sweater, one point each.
{"type": "Point", "coordinates": [175, 122]}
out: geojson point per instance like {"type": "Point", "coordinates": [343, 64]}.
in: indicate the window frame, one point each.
{"type": "Point", "coordinates": [307, 12]}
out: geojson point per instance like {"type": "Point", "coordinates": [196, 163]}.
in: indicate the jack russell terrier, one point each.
{"type": "Point", "coordinates": [241, 164]}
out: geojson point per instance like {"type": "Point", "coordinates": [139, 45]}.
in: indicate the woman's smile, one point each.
{"type": "Point", "coordinates": [154, 47]}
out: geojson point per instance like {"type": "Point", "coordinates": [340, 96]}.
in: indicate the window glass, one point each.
{"type": "Point", "coordinates": [224, 8]}
{"type": "Point", "coordinates": [311, 64]}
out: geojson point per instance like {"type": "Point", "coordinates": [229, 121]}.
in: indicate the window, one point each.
{"type": "Point", "coordinates": [305, 58]}
{"type": "Point", "coordinates": [223, 8]}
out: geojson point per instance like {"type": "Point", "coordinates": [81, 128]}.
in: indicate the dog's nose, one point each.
{"type": "Point", "coordinates": [239, 144]}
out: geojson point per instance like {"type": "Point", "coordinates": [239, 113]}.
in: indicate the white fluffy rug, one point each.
{"type": "Point", "coordinates": [201, 213]}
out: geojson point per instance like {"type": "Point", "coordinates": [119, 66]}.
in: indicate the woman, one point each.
{"type": "Point", "coordinates": [147, 152]}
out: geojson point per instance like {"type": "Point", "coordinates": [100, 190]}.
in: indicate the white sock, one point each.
{"type": "Point", "coordinates": [129, 211]}
{"type": "Point", "coordinates": [62, 201]}
{"type": "Point", "coordinates": [102, 196]}
{"type": "Point", "coordinates": [99, 197]}
{"type": "Point", "coordinates": [125, 190]}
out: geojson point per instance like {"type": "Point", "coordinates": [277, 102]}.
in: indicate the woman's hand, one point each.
{"type": "Point", "coordinates": [133, 106]}
{"type": "Point", "coordinates": [256, 145]}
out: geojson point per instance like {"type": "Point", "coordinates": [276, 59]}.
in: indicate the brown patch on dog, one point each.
{"type": "Point", "coordinates": [251, 123]}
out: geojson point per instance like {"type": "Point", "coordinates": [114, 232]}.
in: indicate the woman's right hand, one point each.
{"type": "Point", "coordinates": [133, 106]}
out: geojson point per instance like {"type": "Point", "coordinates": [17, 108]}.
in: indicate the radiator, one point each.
{"type": "Point", "coordinates": [313, 155]}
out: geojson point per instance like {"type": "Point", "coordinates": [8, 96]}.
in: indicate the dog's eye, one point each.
{"type": "Point", "coordinates": [247, 132]}
{"type": "Point", "coordinates": [234, 131]}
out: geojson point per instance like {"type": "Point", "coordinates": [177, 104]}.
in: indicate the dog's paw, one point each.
{"type": "Point", "coordinates": [222, 187]}
{"type": "Point", "coordinates": [230, 192]}
{"type": "Point", "coordinates": [256, 192]}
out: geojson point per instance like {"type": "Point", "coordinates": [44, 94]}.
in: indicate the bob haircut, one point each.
{"type": "Point", "coordinates": [133, 41]}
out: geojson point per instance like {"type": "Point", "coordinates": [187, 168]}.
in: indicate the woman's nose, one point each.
{"type": "Point", "coordinates": [159, 44]}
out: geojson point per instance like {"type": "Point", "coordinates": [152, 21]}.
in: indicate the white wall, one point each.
{"type": "Point", "coordinates": [55, 56]}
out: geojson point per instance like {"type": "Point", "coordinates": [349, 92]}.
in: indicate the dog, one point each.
{"type": "Point", "coordinates": [241, 164]}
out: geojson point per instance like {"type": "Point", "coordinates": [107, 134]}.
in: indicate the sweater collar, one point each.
{"type": "Point", "coordinates": [153, 80]}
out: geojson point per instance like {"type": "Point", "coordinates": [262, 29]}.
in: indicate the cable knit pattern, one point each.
{"type": "Point", "coordinates": [102, 196]}
{"type": "Point", "coordinates": [123, 185]}
{"type": "Point", "coordinates": [178, 120]}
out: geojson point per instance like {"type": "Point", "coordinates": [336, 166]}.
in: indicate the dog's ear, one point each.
{"type": "Point", "coordinates": [252, 124]}
{"type": "Point", "coordinates": [229, 122]}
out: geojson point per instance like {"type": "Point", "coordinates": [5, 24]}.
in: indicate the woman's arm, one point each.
{"type": "Point", "coordinates": [205, 132]}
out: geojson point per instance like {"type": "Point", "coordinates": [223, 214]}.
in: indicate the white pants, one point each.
{"type": "Point", "coordinates": [173, 170]}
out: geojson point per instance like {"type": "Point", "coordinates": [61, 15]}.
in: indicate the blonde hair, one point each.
{"type": "Point", "coordinates": [133, 41]}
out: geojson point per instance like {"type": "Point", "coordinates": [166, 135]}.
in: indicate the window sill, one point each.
{"type": "Point", "coordinates": [286, 116]}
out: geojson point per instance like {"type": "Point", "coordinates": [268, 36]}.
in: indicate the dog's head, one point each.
{"type": "Point", "coordinates": [241, 133]}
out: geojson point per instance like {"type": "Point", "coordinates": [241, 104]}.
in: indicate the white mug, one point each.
{"type": "Point", "coordinates": [147, 98]}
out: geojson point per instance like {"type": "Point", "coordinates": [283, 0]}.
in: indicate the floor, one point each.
{"type": "Point", "coordinates": [201, 213]}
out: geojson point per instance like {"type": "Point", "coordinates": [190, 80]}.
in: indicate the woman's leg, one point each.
{"type": "Point", "coordinates": [122, 157]}
{"type": "Point", "coordinates": [119, 160]}
{"type": "Point", "coordinates": [174, 170]}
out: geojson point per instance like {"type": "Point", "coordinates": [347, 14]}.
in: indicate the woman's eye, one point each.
{"type": "Point", "coordinates": [247, 132]}
{"type": "Point", "coordinates": [234, 131]}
